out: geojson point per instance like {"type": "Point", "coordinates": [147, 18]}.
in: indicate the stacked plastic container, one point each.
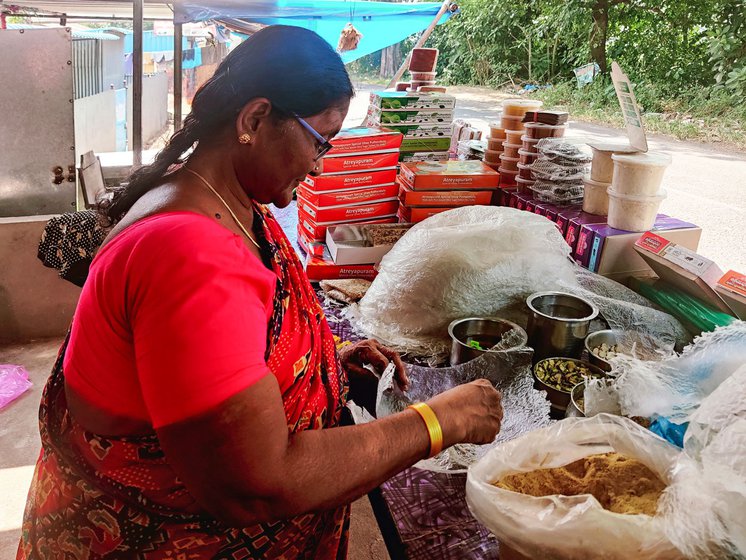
{"type": "Point", "coordinates": [528, 151]}
{"type": "Point", "coordinates": [422, 68]}
{"type": "Point", "coordinates": [635, 194]}
{"type": "Point", "coordinates": [559, 171]}
{"type": "Point", "coordinates": [514, 110]}
{"type": "Point", "coordinates": [595, 196]}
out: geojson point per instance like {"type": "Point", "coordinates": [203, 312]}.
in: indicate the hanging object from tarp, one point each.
{"type": "Point", "coordinates": [381, 24]}
{"type": "Point", "coordinates": [349, 39]}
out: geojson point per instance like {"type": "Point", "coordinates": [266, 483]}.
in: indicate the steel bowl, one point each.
{"type": "Point", "coordinates": [558, 398]}
{"type": "Point", "coordinates": [558, 323]}
{"type": "Point", "coordinates": [596, 339]}
{"type": "Point", "coordinates": [461, 330]}
{"type": "Point", "coordinates": [574, 410]}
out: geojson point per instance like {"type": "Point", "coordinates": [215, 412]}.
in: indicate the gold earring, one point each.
{"type": "Point", "coordinates": [244, 138]}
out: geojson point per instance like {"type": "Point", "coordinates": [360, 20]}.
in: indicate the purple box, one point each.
{"type": "Point", "coordinates": [530, 206]}
{"type": "Point", "coordinates": [577, 222]}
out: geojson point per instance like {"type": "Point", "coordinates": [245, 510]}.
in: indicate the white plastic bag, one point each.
{"type": "Point", "coordinates": [571, 527]}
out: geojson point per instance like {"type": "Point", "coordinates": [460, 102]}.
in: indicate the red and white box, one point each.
{"type": "Point", "coordinates": [415, 215]}
{"type": "Point", "coordinates": [451, 199]}
{"type": "Point", "coordinates": [324, 268]}
{"type": "Point", "coordinates": [315, 231]}
{"type": "Point", "coordinates": [365, 139]}
{"type": "Point", "coordinates": [449, 175]}
{"type": "Point", "coordinates": [321, 183]}
{"type": "Point", "coordinates": [379, 193]}
{"type": "Point", "coordinates": [352, 163]}
{"type": "Point", "coordinates": [339, 214]}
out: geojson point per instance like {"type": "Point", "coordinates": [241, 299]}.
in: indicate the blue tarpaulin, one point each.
{"type": "Point", "coordinates": [381, 23]}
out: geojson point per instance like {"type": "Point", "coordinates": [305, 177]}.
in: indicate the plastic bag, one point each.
{"type": "Point", "coordinates": [484, 261]}
{"type": "Point", "coordinates": [524, 407]}
{"type": "Point", "coordinates": [14, 381]}
{"type": "Point", "coordinates": [571, 527]}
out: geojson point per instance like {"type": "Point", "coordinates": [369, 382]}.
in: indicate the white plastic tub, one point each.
{"type": "Point", "coordinates": [639, 174]}
{"type": "Point", "coordinates": [595, 197]}
{"type": "Point", "coordinates": [633, 213]}
{"type": "Point", "coordinates": [602, 168]}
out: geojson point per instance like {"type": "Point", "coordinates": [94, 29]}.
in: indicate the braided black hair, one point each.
{"type": "Point", "coordinates": [293, 67]}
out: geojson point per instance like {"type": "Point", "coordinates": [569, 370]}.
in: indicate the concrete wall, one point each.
{"type": "Point", "coordinates": [154, 107]}
{"type": "Point", "coordinates": [34, 301]}
{"type": "Point", "coordinates": [95, 122]}
{"type": "Point", "coordinates": [112, 57]}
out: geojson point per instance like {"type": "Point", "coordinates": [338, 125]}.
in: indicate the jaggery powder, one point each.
{"type": "Point", "coordinates": [619, 483]}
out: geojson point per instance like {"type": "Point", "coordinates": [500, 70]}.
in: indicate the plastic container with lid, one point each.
{"type": "Point", "coordinates": [595, 197]}
{"type": "Point", "coordinates": [432, 89]}
{"type": "Point", "coordinates": [509, 163]}
{"type": "Point", "coordinates": [527, 157]}
{"type": "Point", "coordinates": [423, 60]}
{"type": "Point", "coordinates": [491, 156]}
{"type": "Point", "coordinates": [530, 144]}
{"type": "Point", "coordinates": [497, 130]}
{"type": "Point", "coordinates": [511, 150]}
{"type": "Point", "coordinates": [524, 185]}
{"type": "Point", "coordinates": [495, 144]}
{"type": "Point", "coordinates": [541, 130]}
{"type": "Point", "coordinates": [507, 176]}
{"type": "Point", "coordinates": [519, 107]}
{"type": "Point", "coordinates": [511, 123]}
{"type": "Point", "coordinates": [524, 171]}
{"type": "Point", "coordinates": [402, 86]}
{"type": "Point", "coordinates": [602, 167]}
{"type": "Point", "coordinates": [513, 136]}
{"type": "Point", "coordinates": [639, 174]}
{"type": "Point", "coordinates": [633, 213]}
{"type": "Point", "coordinates": [416, 84]}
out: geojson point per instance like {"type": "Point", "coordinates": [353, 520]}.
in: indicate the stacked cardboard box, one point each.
{"type": "Point", "coordinates": [423, 119]}
{"type": "Point", "coordinates": [426, 188]}
{"type": "Point", "coordinates": [357, 183]}
{"type": "Point", "coordinates": [597, 246]}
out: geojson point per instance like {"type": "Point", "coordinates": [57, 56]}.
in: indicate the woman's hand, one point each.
{"type": "Point", "coordinates": [355, 357]}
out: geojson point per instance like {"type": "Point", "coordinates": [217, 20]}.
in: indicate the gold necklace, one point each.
{"type": "Point", "coordinates": [235, 218]}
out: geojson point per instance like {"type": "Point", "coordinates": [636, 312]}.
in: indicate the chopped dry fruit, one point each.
{"type": "Point", "coordinates": [563, 375]}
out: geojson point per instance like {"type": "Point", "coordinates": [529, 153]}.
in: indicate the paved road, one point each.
{"type": "Point", "coordinates": [706, 184]}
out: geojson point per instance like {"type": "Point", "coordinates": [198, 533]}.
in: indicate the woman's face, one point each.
{"type": "Point", "coordinates": [283, 153]}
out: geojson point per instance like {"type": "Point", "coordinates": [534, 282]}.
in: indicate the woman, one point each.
{"type": "Point", "coordinates": [193, 411]}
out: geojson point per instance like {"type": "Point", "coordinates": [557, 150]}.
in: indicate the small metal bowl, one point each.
{"type": "Point", "coordinates": [461, 330]}
{"type": "Point", "coordinates": [574, 408]}
{"type": "Point", "coordinates": [597, 339]}
{"type": "Point", "coordinates": [558, 398]}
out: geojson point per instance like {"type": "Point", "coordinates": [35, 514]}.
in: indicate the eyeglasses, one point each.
{"type": "Point", "coordinates": [324, 144]}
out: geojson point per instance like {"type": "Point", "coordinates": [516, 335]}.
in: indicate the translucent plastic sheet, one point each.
{"type": "Point", "coordinates": [14, 381]}
{"type": "Point", "coordinates": [484, 261]}
{"type": "Point", "coordinates": [674, 386]}
{"type": "Point", "coordinates": [571, 527]}
{"type": "Point", "coordinates": [509, 371]}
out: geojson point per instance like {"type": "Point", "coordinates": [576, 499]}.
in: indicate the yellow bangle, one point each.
{"type": "Point", "coordinates": [433, 427]}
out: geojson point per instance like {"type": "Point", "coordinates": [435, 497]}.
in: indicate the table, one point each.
{"type": "Point", "coordinates": [422, 514]}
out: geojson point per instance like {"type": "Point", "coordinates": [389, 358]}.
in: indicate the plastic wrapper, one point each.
{"type": "Point", "coordinates": [484, 261]}
{"type": "Point", "coordinates": [571, 527]}
{"type": "Point", "coordinates": [558, 192]}
{"type": "Point", "coordinates": [675, 385]}
{"type": "Point", "coordinates": [509, 371]}
{"type": "Point", "coordinates": [550, 171]}
{"type": "Point", "coordinates": [14, 381]}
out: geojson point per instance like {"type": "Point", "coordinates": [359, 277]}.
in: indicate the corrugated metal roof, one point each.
{"type": "Point", "coordinates": [76, 33]}
{"type": "Point", "coordinates": [93, 8]}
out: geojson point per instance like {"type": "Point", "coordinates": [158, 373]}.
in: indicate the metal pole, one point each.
{"type": "Point", "coordinates": [178, 82]}
{"type": "Point", "coordinates": [421, 41]}
{"type": "Point", "coordinates": [137, 17]}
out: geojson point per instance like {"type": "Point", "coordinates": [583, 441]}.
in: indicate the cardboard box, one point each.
{"type": "Point", "coordinates": [315, 231]}
{"type": "Point", "coordinates": [731, 288]}
{"type": "Point", "coordinates": [324, 268]}
{"type": "Point", "coordinates": [364, 139]}
{"type": "Point", "coordinates": [310, 246]}
{"type": "Point", "coordinates": [348, 197]}
{"type": "Point", "coordinates": [682, 268]}
{"type": "Point", "coordinates": [451, 199]}
{"type": "Point", "coordinates": [575, 223]}
{"type": "Point", "coordinates": [355, 163]}
{"type": "Point", "coordinates": [342, 181]}
{"type": "Point", "coordinates": [405, 116]}
{"type": "Point", "coordinates": [339, 214]}
{"type": "Point", "coordinates": [414, 101]}
{"type": "Point", "coordinates": [612, 250]}
{"type": "Point", "coordinates": [438, 144]}
{"type": "Point", "coordinates": [423, 130]}
{"type": "Point", "coordinates": [347, 245]}
{"type": "Point", "coordinates": [449, 175]}
{"type": "Point", "coordinates": [424, 156]}
{"type": "Point", "coordinates": [416, 215]}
